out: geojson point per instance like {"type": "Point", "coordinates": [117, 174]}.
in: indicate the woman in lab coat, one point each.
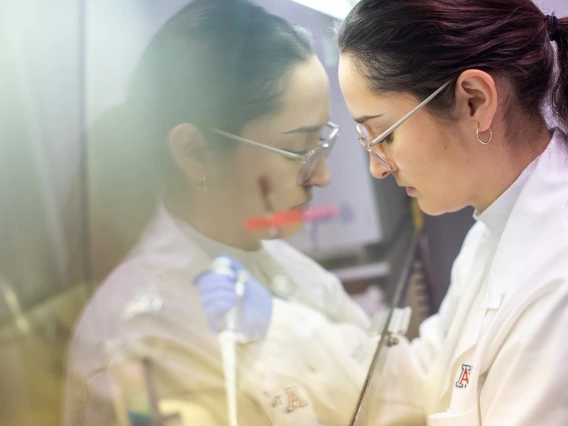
{"type": "Point", "coordinates": [221, 114]}
{"type": "Point", "coordinates": [449, 98]}
{"type": "Point", "coordinates": [495, 353]}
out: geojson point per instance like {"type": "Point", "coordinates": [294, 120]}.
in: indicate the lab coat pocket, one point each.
{"type": "Point", "coordinates": [468, 418]}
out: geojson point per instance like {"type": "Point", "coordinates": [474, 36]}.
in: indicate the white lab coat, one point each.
{"type": "Point", "coordinates": [308, 371]}
{"type": "Point", "coordinates": [502, 323]}
{"type": "Point", "coordinates": [495, 354]}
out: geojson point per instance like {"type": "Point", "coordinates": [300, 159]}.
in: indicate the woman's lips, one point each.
{"type": "Point", "coordinates": [301, 208]}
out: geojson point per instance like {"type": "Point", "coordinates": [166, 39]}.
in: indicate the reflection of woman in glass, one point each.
{"type": "Point", "coordinates": [226, 99]}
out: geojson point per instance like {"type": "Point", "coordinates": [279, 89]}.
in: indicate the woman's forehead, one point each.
{"type": "Point", "coordinates": [361, 100]}
{"type": "Point", "coordinates": [307, 90]}
{"type": "Point", "coordinates": [305, 101]}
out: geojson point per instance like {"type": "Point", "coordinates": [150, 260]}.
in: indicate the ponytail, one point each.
{"type": "Point", "coordinates": [124, 181]}
{"type": "Point", "coordinates": [558, 32]}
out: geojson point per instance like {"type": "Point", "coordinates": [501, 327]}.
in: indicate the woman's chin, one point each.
{"type": "Point", "coordinates": [284, 232]}
{"type": "Point", "coordinates": [434, 209]}
{"type": "Point", "coordinates": [291, 230]}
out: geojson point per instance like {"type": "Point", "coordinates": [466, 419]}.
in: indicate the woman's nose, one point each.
{"type": "Point", "coordinates": [378, 169]}
{"type": "Point", "coordinates": [321, 177]}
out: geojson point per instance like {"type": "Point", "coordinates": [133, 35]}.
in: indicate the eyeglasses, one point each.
{"type": "Point", "coordinates": [373, 146]}
{"type": "Point", "coordinates": [310, 160]}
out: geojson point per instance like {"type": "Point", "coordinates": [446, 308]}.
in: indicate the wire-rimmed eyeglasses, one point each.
{"type": "Point", "coordinates": [310, 160]}
{"type": "Point", "coordinates": [373, 146]}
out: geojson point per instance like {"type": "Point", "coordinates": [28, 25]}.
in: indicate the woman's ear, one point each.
{"type": "Point", "coordinates": [188, 148]}
{"type": "Point", "coordinates": [476, 95]}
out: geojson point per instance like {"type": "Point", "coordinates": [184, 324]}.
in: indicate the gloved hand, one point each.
{"type": "Point", "coordinates": [218, 295]}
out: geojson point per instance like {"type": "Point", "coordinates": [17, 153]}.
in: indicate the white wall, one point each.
{"type": "Point", "coordinates": [335, 8]}
{"type": "Point", "coordinates": [560, 7]}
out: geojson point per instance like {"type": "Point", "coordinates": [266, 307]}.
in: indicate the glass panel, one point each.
{"type": "Point", "coordinates": [116, 205]}
{"type": "Point", "coordinates": [42, 289]}
{"type": "Point", "coordinates": [366, 409]}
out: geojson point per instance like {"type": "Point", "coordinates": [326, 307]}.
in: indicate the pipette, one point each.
{"type": "Point", "coordinates": [228, 338]}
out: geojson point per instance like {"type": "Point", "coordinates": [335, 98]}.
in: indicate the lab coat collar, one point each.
{"type": "Point", "coordinates": [495, 217]}
{"type": "Point", "coordinates": [533, 228]}
{"type": "Point", "coordinates": [213, 248]}
{"type": "Point", "coordinates": [167, 248]}
{"type": "Point", "coordinates": [185, 250]}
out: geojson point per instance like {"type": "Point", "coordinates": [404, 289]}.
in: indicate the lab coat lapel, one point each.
{"type": "Point", "coordinates": [174, 250]}
{"type": "Point", "coordinates": [462, 333]}
{"type": "Point", "coordinates": [531, 234]}
{"type": "Point", "coordinates": [519, 257]}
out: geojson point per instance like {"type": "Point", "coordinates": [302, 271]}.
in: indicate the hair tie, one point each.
{"type": "Point", "coordinates": [552, 24]}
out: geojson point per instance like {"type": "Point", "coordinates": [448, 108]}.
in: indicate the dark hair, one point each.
{"type": "Point", "coordinates": [416, 46]}
{"type": "Point", "coordinates": [216, 63]}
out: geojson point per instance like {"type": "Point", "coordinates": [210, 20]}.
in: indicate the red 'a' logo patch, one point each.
{"type": "Point", "coordinates": [463, 380]}
{"type": "Point", "coordinates": [294, 399]}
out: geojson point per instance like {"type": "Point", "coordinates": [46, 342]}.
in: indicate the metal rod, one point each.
{"type": "Point", "coordinates": [399, 291]}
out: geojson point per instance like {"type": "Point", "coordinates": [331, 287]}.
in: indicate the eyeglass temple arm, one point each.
{"type": "Point", "coordinates": [379, 138]}
{"type": "Point", "coordinates": [287, 154]}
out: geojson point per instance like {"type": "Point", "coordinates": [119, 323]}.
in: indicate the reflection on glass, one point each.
{"type": "Point", "coordinates": [169, 194]}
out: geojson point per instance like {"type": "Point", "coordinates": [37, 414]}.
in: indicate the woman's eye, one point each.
{"type": "Point", "coordinates": [388, 139]}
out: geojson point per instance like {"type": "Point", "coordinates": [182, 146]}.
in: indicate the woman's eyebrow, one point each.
{"type": "Point", "coordinates": [306, 129]}
{"type": "Point", "coordinates": [365, 118]}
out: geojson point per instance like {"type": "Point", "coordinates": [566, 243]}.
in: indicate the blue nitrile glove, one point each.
{"type": "Point", "coordinates": [219, 295]}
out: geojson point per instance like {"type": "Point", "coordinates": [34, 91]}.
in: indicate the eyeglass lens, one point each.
{"type": "Point", "coordinates": [311, 165]}
{"type": "Point", "coordinates": [365, 140]}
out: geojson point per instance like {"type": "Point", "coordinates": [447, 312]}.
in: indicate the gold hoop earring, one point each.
{"type": "Point", "coordinates": [201, 184]}
{"type": "Point", "coordinates": [479, 139]}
